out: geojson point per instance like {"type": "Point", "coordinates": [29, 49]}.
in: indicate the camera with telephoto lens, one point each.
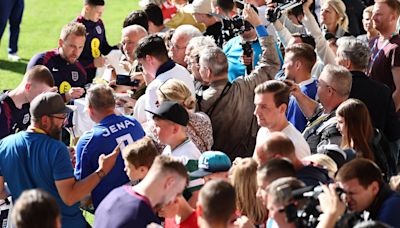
{"type": "Point", "coordinates": [283, 5]}
{"type": "Point", "coordinates": [232, 27]}
{"type": "Point", "coordinates": [304, 212]}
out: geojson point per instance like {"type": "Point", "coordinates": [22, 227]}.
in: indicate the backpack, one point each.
{"type": "Point", "coordinates": [384, 155]}
{"type": "Point", "coordinates": [322, 133]}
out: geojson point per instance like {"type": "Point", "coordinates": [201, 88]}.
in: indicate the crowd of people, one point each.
{"type": "Point", "coordinates": [210, 113]}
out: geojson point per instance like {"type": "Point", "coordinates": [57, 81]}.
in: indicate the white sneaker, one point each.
{"type": "Point", "coordinates": [13, 57]}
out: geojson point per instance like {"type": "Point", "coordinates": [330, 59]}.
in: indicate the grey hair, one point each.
{"type": "Point", "coordinates": [187, 30]}
{"type": "Point", "coordinates": [199, 43]}
{"type": "Point", "coordinates": [355, 50]}
{"type": "Point", "coordinates": [135, 29]}
{"type": "Point", "coordinates": [100, 97]}
{"type": "Point", "coordinates": [202, 41]}
{"type": "Point", "coordinates": [214, 59]}
{"type": "Point", "coordinates": [339, 78]}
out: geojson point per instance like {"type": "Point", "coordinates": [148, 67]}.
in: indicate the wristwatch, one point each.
{"type": "Point", "coordinates": [101, 173]}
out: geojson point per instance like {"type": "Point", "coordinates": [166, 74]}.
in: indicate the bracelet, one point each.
{"type": "Point", "coordinates": [101, 173]}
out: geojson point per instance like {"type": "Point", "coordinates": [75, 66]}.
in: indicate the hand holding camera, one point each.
{"type": "Point", "coordinates": [250, 15]}
{"type": "Point", "coordinates": [330, 203]}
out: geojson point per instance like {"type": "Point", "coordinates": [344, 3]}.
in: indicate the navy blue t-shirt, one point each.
{"type": "Point", "coordinates": [389, 209]}
{"type": "Point", "coordinates": [95, 45]}
{"type": "Point", "coordinates": [12, 119]}
{"type": "Point", "coordinates": [65, 74]}
{"type": "Point", "coordinates": [124, 208]}
{"type": "Point", "coordinates": [102, 139]}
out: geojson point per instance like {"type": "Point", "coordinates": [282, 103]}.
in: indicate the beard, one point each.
{"type": "Point", "coordinates": [51, 129]}
{"type": "Point", "coordinates": [55, 133]}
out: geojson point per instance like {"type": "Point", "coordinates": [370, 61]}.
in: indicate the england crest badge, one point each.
{"type": "Point", "coordinates": [75, 76]}
{"type": "Point", "coordinates": [26, 118]}
{"type": "Point", "coordinates": [98, 29]}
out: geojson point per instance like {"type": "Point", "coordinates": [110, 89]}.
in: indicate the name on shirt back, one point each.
{"type": "Point", "coordinates": [117, 127]}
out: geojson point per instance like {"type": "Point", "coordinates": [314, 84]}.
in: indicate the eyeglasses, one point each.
{"type": "Point", "coordinates": [322, 83]}
{"type": "Point", "coordinates": [60, 118]}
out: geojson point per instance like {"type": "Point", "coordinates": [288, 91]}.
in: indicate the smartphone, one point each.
{"type": "Point", "coordinates": [126, 80]}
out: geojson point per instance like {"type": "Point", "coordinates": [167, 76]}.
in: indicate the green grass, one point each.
{"type": "Point", "coordinates": [41, 25]}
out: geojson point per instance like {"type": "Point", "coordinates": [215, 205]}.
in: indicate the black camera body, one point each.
{"type": "Point", "coordinates": [232, 27]}
{"type": "Point", "coordinates": [248, 51]}
{"type": "Point", "coordinates": [276, 13]}
{"type": "Point", "coordinates": [305, 212]}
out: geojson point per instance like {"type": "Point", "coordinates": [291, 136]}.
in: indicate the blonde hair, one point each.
{"type": "Point", "coordinates": [76, 28]}
{"type": "Point", "coordinates": [325, 161]}
{"type": "Point", "coordinates": [244, 179]}
{"type": "Point", "coordinates": [368, 9]}
{"type": "Point", "coordinates": [340, 9]}
{"type": "Point", "coordinates": [176, 90]}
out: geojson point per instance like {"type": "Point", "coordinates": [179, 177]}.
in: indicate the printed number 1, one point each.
{"type": "Point", "coordinates": [126, 139]}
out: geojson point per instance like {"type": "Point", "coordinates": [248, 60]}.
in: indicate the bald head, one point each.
{"type": "Point", "coordinates": [277, 144]}
{"type": "Point", "coordinates": [130, 38]}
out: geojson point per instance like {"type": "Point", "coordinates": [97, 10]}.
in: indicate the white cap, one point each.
{"type": "Point", "coordinates": [199, 6]}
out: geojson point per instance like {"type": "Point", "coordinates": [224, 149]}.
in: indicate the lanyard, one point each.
{"type": "Point", "coordinates": [36, 130]}
{"type": "Point", "coordinates": [373, 58]}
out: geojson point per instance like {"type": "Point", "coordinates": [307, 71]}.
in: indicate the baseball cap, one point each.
{"type": "Point", "coordinates": [49, 103]}
{"type": "Point", "coordinates": [199, 6]}
{"type": "Point", "coordinates": [173, 111]}
{"type": "Point", "coordinates": [212, 162]}
{"type": "Point", "coordinates": [338, 155]}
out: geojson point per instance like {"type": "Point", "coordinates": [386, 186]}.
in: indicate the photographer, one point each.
{"type": "Point", "coordinates": [361, 180]}
{"type": "Point", "coordinates": [243, 51]}
{"type": "Point", "coordinates": [230, 105]}
{"type": "Point", "coordinates": [331, 205]}
{"type": "Point", "coordinates": [285, 21]}
{"type": "Point", "coordinates": [201, 11]}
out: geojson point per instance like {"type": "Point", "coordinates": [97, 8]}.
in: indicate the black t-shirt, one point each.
{"type": "Point", "coordinates": [12, 119]}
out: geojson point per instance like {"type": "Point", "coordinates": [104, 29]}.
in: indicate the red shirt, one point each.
{"type": "Point", "coordinates": [190, 222]}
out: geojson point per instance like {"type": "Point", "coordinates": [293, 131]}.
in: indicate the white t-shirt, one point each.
{"type": "Point", "coordinates": [300, 144]}
{"type": "Point", "coordinates": [178, 72]}
{"type": "Point", "coordinates": [139, 110]}
{"type": "Point", "coordinates": [185, 152]}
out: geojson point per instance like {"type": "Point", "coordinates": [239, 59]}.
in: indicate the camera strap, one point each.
{"type": "Point", "coordinates": [210, 111]}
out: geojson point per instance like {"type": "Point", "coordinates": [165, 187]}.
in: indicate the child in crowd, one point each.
{"type": "Point", "coordinates": [170, 120]}
{"type": "Point", "coordinates": [138, 158]}
{"type": "Point", "coordinates": [35, 208]}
